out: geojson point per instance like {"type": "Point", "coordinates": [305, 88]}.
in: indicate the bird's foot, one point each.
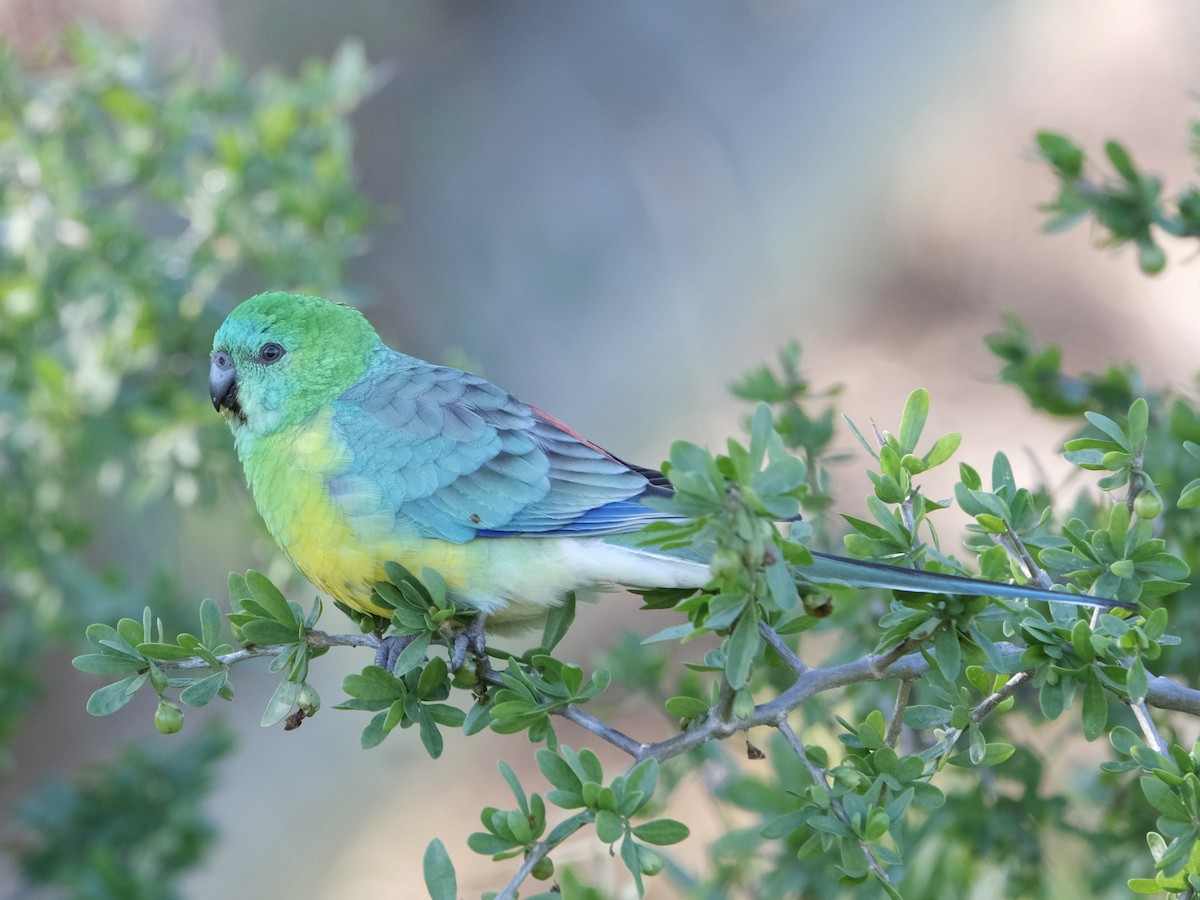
{"type": "Point", "coordinates": [472, 639]}
{"type": "Point", "coordinates": [390, 649]}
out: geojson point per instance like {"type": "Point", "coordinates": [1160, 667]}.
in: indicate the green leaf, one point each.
{"type": "Point", "coordinates": [948, 652]}
{"type": "Point", "coordinates": [514, 785]}
{"type": "Point", "coordinates": [1121, 161]}
{"type": "Point", "coordinates": [1137, 684]}
{"type": "Point", "coordinates": [991, 524]}
{"type": "Point", "coordinates": [912, 421]}
{"type": "Point", "coordinates": [238, 590]}
{"type": "Point", "coordinates": [431, 735]}
{"type": "Point", "coordinates": [629, 856]}
{"type": "Point", "coordinates": [740, 648]}
{"type": "Point", "coordinates": [1061, 153]}
{"type": "Point", "coordinates": [440, 879]}
{"type": "Point", "coordinates": [1190, 497]}
{"type": "Point", "coordinates": [107, 663]}
{"type": "Point", "coordinates": [164, 651]}
{"type": "Point", "coordinates": [267, 596]}
{"type": "Point", "coordinates": [642, 779]}
{"type": "Point", "coordinates": [1163, 799]}
{"type": "Point", "coordinates": [671, 633]}
{"type": "Point", "coordinates": [488, 844]}
{"type": "Point", "coordinates": [969, 477]}
{"type": "Point", "coordinates": [413, 655]}
{"type": "Point", "coordinates": [609, 826]}
{"type": "Point", "coordinates": [557, 771]}
{"type": "Point", "coordinates": [210, 622]}
{"type": "Point", "coordinates": [434, 680]}
{"type": "Point", "coordinates": [976, 744]}
{"type": "Point", "coordinates": [996, 753]}
{"type": "Point", "coordinates": [373, 683]}
{"type": "Point", "coordinates": [201, 692]}
{"type": "Point", "coordinates": [478, 718]}
{"type": "Point", "coordinates": [558, 620]}
{"type": "Point", "coordinates": [1144, 886]}
{"type": "Point", "coordinates": [281, 702]}
{"type": "Point", "coordinates": [942, 449]}
{"type": "Point", "coordinates": [723, 610]}
{"type": "Point", "coordinates": [1138, 421]}
{"type": "Point", "coordinates": [267, 632]}
{"type": "Point", "coordinates": [1111, 428]}
{"type": "Point", "coordinates": [1095, 709]}
{"type": "Point", "coordinates": [661, 832]}
{"type": "Point", "coordinates": [131, 632]}
{"type": "Point", "coordinates": [921, 716]}
{"type": "Point", "coordinates": [585, 763]}
{"type": "Point", "coordinates": [106, 636]}
{"type": "Point", "coordinates": [108, 699]}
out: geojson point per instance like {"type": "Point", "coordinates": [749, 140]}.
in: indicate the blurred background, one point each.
{"type": "Point", "coordinates": [614, 211]}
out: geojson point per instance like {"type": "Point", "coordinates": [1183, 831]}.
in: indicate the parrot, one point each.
{"type": "Point", "coordinates": [357, 455]}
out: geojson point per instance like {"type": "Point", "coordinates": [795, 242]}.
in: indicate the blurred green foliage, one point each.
{"type": "Point", "coordinates": [1127, 206]}
{"type": "Point", "coordinates": [127, 828]}
{"type": "Point", "coordinates": [138, 204]}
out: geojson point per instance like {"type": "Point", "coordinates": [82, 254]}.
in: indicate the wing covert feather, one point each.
{"type": "Point", "coordinates": [457, 457]}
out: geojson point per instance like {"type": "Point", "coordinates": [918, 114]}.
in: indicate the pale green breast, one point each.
{"type": "Point", "coordinates": [288, 472]}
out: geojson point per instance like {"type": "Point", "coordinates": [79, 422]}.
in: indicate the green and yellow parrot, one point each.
{"type": "Point", "coordinates": [357, 455]}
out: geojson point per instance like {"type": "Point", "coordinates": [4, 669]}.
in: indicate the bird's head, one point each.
{"type": "Point", "coordinates": [280, 357]}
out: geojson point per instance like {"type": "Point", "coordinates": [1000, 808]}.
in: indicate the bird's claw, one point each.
{"type": "Point", "coordinates": [471, 639]}
{"type": "Point", "coordinates": [390, 648]}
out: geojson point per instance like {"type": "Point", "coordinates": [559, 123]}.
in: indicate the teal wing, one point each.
{"type": "Point", "coordinates": [459, 458]}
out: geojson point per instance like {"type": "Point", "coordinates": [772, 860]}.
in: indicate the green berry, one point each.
{"type": "Point", "coordinates": [544, 868]}
{"type": "Point", "coordinates": [1151, 258]}
{"type": "Point", "coordinates": [168, 718]}
{"type": "Point", "coordinates": [1147, 505]}
{"type": "Point", "coordinates": [309, 700]}
{"type": "Point", "coordinates": [648, 861]}
{"type": "Point", "coordinates": [725, 563]}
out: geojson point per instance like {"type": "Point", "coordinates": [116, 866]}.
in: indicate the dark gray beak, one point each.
{"type": "Point", "coordinates": [222, 382]}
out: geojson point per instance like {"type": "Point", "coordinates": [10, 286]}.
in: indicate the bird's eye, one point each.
{"type": "Point", "coordinates": [270, 353]}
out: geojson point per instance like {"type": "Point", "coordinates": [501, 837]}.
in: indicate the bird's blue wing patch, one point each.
{"type": "Point", "coordinates": [612, 518]}
{"type": "Point", "coordinates": [456, 457]}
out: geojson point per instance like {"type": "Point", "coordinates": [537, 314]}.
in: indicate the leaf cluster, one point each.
{"type": "Point", "coordinates": [1127, 205]}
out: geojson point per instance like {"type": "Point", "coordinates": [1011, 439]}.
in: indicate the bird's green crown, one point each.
{"type": "Point", "coordinates": [291, 355]}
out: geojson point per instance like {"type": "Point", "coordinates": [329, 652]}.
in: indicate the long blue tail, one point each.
{"type": "Point", "coordinates": [860, 573]}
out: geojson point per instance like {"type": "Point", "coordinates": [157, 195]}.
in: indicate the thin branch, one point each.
{"type": "Point", "coordinates": [1136, 479]}
{"type": "Point", "coordinates": [988, 705]}
{"type": "Point", "coordinates": [596, 726]}
{"type": "Point", "coordinates": [602, 730]}
{"type": "Point", "coordinates": [782, 650]}
{"type": "Point", "coordinates": [535, 855]}
{"type": "Point", "coordinates": [808, 684]}
{"type": "Point", "coordinates": [316, 640]}
{"type": "Point", "coordinates": [1149, 730]}
{"type": "Point", "coordinates": [984, 709]}
{"type": "Point", "coordinates": [1038, 576]}
{"type": "Point", "coordinates": [725, 698]}
{"type": "Point", "coordinates": [1163, 693]}
{"type": "Point", "coordinates": [835, 806]}
{"type": "Point", "coordinates": [902, 695]}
